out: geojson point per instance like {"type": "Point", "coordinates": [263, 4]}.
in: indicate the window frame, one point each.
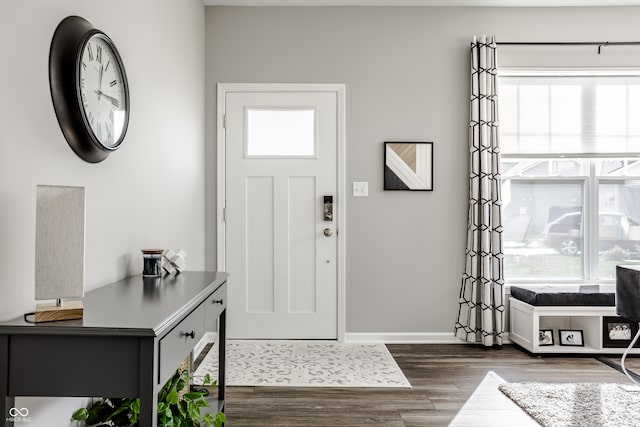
{"type": "Point", "coordinates": [589, 181]}
{"type": "Point", "coordinates": [581, 180]}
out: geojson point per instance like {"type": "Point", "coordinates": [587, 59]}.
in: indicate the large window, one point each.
{"type": "Point", "coordinates": [570, 175]}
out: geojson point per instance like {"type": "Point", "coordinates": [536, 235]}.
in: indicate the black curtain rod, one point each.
{"type": "Point", "coordinates": [599, 44]}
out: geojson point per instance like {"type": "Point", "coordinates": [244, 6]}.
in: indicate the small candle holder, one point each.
{"type": "Point", "coordinates": [152, 262]}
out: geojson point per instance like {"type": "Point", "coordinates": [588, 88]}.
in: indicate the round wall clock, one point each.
{"type": "Point", "coordinates": [89, 89]}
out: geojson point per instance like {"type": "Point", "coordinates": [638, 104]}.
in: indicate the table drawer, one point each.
{"type": "Point", "coordinates": [178, 343]}
{"type": "Point", "coordinates": [213, 306]}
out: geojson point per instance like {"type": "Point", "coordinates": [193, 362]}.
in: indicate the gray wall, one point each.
{"type": "Point", "coordinates": [150, 193]}
{"type": "Point", "coordinates": [406, 74]}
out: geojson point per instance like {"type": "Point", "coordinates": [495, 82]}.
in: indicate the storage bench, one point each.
{"type": "Point", "coordinates": [587, 308]}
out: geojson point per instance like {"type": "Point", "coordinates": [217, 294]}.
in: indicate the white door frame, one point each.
{"type": "Point", "coordinates": [340, 208]}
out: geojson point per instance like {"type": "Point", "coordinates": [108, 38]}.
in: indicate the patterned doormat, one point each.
{"type": "Point", "coordinates": [304, 364]}
{"type": "Point", "coordinates": [576, 405]}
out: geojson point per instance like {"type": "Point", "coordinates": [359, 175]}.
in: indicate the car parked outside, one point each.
{"type": "Point", "coordinates": [565, 234]}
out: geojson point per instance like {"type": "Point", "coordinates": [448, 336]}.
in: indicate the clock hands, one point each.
{"type": "Point", "coordinates": [100, 81]}
{"type": "Point", "coordinates": [100, 93]}
{"type": "Point", "coordinates": [113, 100]}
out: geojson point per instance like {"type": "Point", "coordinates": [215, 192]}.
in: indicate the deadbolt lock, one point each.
{"type": "Point", "coordinates": [328, 208]}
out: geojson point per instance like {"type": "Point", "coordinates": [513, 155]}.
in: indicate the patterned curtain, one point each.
{"type": "Point", "coordinates": [481, 304]}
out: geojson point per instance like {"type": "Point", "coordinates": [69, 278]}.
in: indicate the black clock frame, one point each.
{"type": "Point", "coordinates": [65, 57]}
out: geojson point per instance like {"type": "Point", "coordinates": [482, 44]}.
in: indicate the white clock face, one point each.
{"type": "Point", "coordinates": [103, 91]}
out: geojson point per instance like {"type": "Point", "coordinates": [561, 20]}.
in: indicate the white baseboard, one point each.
{"type": "Point", "coordinates": [402, 337]}
{"type": "Point", "coordinates": [206, 339]}
{"type": "Point", "coordinates": [375, 338]}
{"type": "Point", "coordinates": [407, 338]}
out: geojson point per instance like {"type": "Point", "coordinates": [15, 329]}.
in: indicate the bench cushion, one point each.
{"type": "Point", "coordinates": [567, 295]}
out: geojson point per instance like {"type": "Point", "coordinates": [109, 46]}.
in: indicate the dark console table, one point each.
{"type": "Point", "coordinates": [134, 335]}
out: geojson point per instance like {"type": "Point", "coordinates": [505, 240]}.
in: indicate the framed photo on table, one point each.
{"type": "Point", "coordinates": [571, 337]}
{"type": "Point", "coordinates": [617, 332]}
{"type": "Point", "coordinates": [545, 337]}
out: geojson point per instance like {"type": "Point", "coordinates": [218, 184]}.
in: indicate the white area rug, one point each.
{"type": "Point", "coordinates": [579, 405]}
{"type": "Point", "coordinates": [305, 364]}
{"type": "Point", "coordinates": [488, 407]}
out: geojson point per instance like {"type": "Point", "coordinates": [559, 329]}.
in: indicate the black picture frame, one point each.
{"type": "Point", "coordinates": [617, 332]}
{"type": "Point", "coordinates": [571, 337]}
{"type": "Point", "coordinates": [408, 166]}
{"type": "Point", "coordinates": [545, 337]}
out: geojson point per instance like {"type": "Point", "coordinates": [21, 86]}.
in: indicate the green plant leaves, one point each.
{"type": "Point", "coordinates": [172, 397]}
{"type": "Point", "coordinates": [172, 410]}
{"type": "Point", "coordinates": [135, 409]}
{"type": "Point", "coordinates": [80, 415]}
{"type": "Point", "coordinates": [194, 395]}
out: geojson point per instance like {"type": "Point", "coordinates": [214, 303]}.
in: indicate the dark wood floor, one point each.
{"type": "Point", "coordinates": [443, 377]}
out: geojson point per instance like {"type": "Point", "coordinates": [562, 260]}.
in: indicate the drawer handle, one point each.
{"type": "Point", "coordinates": [218, 301]}
{"type": "Point", "coordinates": [191, 334]}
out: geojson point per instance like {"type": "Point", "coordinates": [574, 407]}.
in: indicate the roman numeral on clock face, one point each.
{"type": "Point", "coordinates": [112, 83]}
{"type": "Point", "coordinates": [90, 52]}
{"type": "Point", "coordinates": [99, 56]}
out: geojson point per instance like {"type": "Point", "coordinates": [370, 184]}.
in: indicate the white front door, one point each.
{"type": "Point", "coordinates": [281, 247]}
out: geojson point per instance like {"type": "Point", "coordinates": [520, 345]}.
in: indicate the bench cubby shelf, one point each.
{"type": "Point", "coordinates": [527, 321]}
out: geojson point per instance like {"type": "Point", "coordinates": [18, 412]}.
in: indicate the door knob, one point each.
{"type": "Point", "coordinates": [328, 232]}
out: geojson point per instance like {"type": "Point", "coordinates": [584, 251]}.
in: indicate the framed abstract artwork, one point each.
{"type": "Point", "coordinates": [408, 166]}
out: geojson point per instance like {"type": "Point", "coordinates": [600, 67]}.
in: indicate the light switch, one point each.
{"type": "Point", "coordinates": [360, 189]}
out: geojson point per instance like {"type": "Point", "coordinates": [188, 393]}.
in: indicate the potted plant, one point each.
{"type": "Point", "coordinates": [177, 407]}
